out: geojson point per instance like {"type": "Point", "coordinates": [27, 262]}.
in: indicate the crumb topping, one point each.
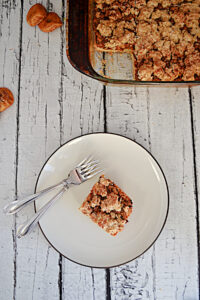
{"type": "Point", "coordinates": [108, 206]}
{"type": "Point", "coordinates": [163, 35]}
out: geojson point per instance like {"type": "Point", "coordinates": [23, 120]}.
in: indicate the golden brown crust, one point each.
{"type": "Point", "coordinates": [108, 206]}
{"type": "Point", "coordinates": [6, 98]}
{"type": "Point", "coordinates": [36, 14]}
{"type": "Point", "coordinates": [163, 35]}
{"type": "Point", "coordinates": [50, 23]}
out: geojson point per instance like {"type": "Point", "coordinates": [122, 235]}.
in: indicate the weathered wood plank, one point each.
{"type": "Point", "coordinates": [9, 66]}
{"type": "Point", "coordinates": [127, 114]}
{"type": "Point", "coordinates": [195, 105]}
{"type": "Point", "coordinates": [159, 119]}
{"type": "Point", "coordinates": [82, 112]}
{"type": "Point", "coordinates": [82, 105]}
{"type": "Point", "coordinates": [39, 136]}
{"type": "Point", "coordinates": [56, 104]}
{"type": "Point", "coordinates": [195, 110]}
{"type": "Point", "coordinates": [176, 251]}
{"type": "Point", "coordinates": [82, 283]}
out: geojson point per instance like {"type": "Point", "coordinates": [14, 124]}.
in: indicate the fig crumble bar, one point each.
{"type": "Point", "coordinates": [162, 35]}
{"type": "Point", "coordinates": [108, 206]}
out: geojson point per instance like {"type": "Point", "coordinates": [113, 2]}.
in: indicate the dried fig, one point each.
{"type": "Point", "coordinates": [36, 14]}
{"type": "Point", "coordinates": [6, 98]}
{"type": "Point", "coordinates": [50, 23]}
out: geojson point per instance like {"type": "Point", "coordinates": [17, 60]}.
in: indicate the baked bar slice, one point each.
{"type": "Point", "coordinates": [108, 206]}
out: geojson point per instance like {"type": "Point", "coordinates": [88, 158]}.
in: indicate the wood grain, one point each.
{"type": "Point", "coordinates": [53, 104]}
{"type": "Point", "coordinates": [195, 121]}
{"type": "Point", "coordinates": [84, 116]}
{"type": "Point", "coordinates": [176, 250]}
{"type": "Point", "coordinates": [39, 135]}
{"type": "Point", "coordinates": [9, 77]}
{"type": "Point", "coordinates": [127, 113]}
{"type": "Point", "coordinates": [195, 106]}
{"type": "Point", "coordinates": [82, 113]}
{"type": "Point", "coordinates": [160, 120]}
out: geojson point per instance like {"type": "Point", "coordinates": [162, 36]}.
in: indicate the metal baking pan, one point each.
{"type": "Point", "coordinates": [109, 68]}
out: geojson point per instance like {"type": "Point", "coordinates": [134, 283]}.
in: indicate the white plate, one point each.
{"type": "Point", "coordinates": [131, 167]}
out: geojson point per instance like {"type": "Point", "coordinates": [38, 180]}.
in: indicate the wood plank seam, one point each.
{"type": "Point", "coordinates": [105, 108]}
{"type": "Point", "coordinates": [153, 265]}
{"type": "Point", "coordinates": [153, 255]}
{"type": "Point", "coordinates": [195, 181]}
{"type": "Point", "coordinates": [93, 284]}
{"type": "Point", "coordinates": [60, 278]}
{"type": "Point", "coordinates": [17, 149]}
{"type": "Point", "coordinates": [60, 263]}
{"type": "Point", "coordinates": [108, 290]}
{"type": "Point", "coordinates": [104, 99]}
{"type": "Point", "coordinates": [148, 119]}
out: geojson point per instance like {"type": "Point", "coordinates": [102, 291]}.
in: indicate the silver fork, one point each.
{"type": "Point", "coordinates": [85, 170]}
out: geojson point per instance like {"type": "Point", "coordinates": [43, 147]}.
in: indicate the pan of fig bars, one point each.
{"type": "Point", "coordinates": [137, 42]}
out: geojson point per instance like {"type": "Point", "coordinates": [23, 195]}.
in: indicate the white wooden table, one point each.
{"type": "Point", "coordinates": [54, 103]}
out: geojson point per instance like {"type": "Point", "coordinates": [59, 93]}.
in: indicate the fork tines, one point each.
{"type": "Point", "coordinates": [89, 167]}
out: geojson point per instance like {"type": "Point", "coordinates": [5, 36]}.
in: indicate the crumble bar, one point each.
{"type": "Point", "coordinates": [162, 35]}
{"type": "Point", "coordinates": [108, 206]}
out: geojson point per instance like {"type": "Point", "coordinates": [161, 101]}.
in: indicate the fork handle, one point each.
{"type": "Point", "coordinates": [30, 224]}
{"type": "Point", "coordinates": [15, 206]}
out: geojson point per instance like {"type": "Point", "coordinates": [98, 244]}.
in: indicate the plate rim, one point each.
{"type": "Point", "coordinates": [166, 184]}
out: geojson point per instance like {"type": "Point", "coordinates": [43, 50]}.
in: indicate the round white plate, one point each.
{"type": "Point", "coordinates": [134, 170]}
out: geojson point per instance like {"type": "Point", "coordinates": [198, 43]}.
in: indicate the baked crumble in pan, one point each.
{"type": "Point", "coordinates": [108, 206]}
{"type": "Point", "coordinates": [163, 35]}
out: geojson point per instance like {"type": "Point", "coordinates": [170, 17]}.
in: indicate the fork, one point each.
{"type": "Point", "coordinates": [85, 170]}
